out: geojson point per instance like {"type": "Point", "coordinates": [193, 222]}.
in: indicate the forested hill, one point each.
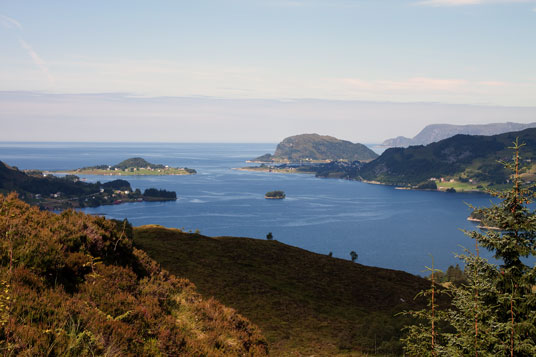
{"type": "Point", "coordinates": [436, 132]}
{"type": "Point", "coordinates": [314, 147]}
{"type": "Point", "coordinates": [462, 157]}
{"type": "Point", "coordinates": [74, 285]}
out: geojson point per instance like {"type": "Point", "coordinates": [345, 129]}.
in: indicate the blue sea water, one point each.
{"type": "Point", "coordinates": [389, 228]}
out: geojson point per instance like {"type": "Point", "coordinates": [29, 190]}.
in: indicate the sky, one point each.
{"type": "Point", "coordinates": [261, 70]}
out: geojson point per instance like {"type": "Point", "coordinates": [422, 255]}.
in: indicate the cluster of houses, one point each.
{"type": "Point", "coordinates": [442, 179]}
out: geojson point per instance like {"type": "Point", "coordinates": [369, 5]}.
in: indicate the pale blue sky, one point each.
{"type": "Point", "coordinates": [471, 52]}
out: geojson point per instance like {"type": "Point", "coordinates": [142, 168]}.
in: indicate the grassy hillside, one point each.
{"type": "Point", "coordinates": [314, 147]}
{"type": "Point", "coordinates": [463, 158]}
{"type": "Point", "coordinates": [305, 303]}
{"type": "Point", "coordinates": [73, 285]}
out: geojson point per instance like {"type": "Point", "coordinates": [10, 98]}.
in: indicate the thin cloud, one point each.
{"type": "Point", "coordinates": [38, 61]}
{"type": "Point", "coordinates": [411, 84]}
{"type": "Point", "coordinates": [438, 3]}
{"type": "Point", "coordinates": [9, 23]}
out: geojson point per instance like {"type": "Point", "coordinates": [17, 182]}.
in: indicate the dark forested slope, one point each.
{"type": "Point", "coordinates": [467, 157]}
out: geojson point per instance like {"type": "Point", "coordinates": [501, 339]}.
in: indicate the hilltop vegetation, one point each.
{"type": "Point", "coordinates": [74, 285]}
{"type": "Point", "coordinates": [437, 132]}
{"type": "Point", "coordinates": [133, 166]}
{"type": "Point", "coordinates": [305, 303]}
{"type": "Point", "coordinates": [275, 195]}
{"type": "Point", "coordinates": [314, 147]}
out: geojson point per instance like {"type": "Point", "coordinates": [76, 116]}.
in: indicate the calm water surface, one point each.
{"type": "Point", "coordinates": [388, 228]}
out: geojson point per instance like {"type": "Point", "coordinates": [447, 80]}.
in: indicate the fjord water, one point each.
{"type": "Point", "coordinates": [388, 228]}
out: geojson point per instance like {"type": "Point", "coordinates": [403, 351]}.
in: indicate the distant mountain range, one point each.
{"type": "Point", "coordinates": [317, 148]}
{"type": "Point", "coordinates": [437, 132]}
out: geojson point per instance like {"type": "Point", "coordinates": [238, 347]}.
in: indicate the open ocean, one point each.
{"type": "Point", "coordinates": [389, 228]}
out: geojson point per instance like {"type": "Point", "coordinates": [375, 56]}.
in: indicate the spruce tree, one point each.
{"type": "Point", "coordinates": [494, 312]}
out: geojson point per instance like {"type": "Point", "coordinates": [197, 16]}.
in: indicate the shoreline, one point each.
{"type": "Point", "coordinates": [372, 182]}
{"type": "Point", "coordinates": [273, 170]}
{"type": "Point", "coordinates": [72, 203]}
{"type": "Point", "coordinates": [107, 173]}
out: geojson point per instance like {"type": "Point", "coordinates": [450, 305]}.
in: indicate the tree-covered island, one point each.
{"type": "Point", "coordinates": [275, 195]}
{"type": "Point", "coordinates": [135, 166]}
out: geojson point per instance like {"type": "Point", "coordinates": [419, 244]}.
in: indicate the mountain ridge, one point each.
{"type": "Point", "coordinates": [467, 158]}
{"type": "Point", "coordinates": [437, 132]}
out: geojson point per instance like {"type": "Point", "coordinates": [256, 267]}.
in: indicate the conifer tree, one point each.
{"type": "Point", "coordinates": [494, 312]}
{"type": "Point", "coordinates": [425, 337]}
{"type": "Point", "coordinates": [508, 303]}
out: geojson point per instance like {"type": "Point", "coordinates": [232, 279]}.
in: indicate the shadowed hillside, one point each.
{"type": "Point", "coordinates": [461, 157]}
{"type": "Point", "coordinates": [305, 303]}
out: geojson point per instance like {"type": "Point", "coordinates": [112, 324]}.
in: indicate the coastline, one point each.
{"type": "Point", "coordinates": [116, 173]}
{"type": "Point", "coordinates": [73, 203]}
{"type": "Point", "coordinates": [372, 182]}
{"type": "Point", "coordinates": [271, 170]}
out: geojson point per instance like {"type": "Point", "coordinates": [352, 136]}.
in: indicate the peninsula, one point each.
{"type": "Point", "coordinates": [462, 163]}
{"type": "Point", "coordinates": [135, 166]}
{"type": "Point", "coordinates": [57, 193]}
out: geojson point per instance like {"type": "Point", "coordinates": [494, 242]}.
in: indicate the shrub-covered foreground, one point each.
{"type": "Point", "coordinates": [73, 285]}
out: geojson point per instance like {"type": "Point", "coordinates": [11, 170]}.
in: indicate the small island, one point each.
{"type": "Point", "coordinates": [275, 195]}
{"type": "Point", "coordinates": [135, 166]}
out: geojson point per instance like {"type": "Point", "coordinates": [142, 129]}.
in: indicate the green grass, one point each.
{"type": "Point", "coordinates": [305, 303]}
{"type": "Point", "coordinates": [460, 186]}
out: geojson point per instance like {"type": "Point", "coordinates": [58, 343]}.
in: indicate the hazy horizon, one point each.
{"type": "Point", "coordinates": [261, 70]}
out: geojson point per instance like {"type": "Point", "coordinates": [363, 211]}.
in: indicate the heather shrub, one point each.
{"type": "Point", "coordinates": [73, 285]}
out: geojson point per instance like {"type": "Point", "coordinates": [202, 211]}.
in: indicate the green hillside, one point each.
{"type": "Point", "coordinates": [314, 147]}
{"type": "Point", "coordinates": [74, 285]}
{"type": "Point", "coordinates": [305, 303]}
{"type": "Point", "coordinates": [462, 158]}
{"type": "Point", "coordinates": [135, 166]}
{"type": "Point", "coordinates": [137, 162]}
